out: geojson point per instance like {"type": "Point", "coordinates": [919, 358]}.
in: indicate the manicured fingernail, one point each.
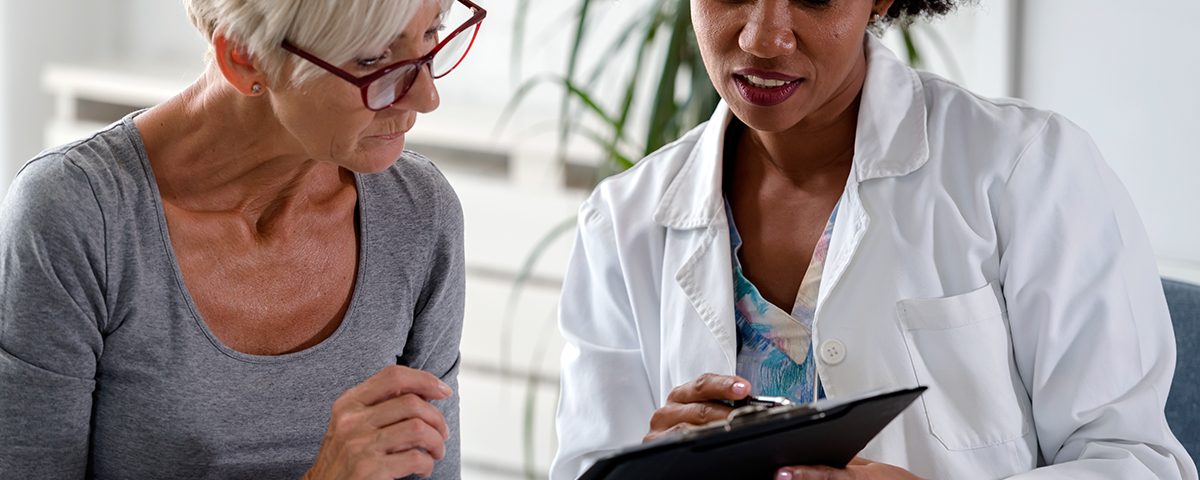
{"type": "Point", "coordinates": [783, 475]}
{"type": "Point", "coordinates": [741, 388]}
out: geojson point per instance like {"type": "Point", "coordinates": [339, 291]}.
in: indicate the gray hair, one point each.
{"type": "Point", "coordinates": [334, 30]}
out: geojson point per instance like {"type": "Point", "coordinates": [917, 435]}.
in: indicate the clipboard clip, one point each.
{"type": "Point", "coordinates": [746, 411]}
{"type": "Point", "coordinates": [753, 413]}
{"type": "Point", "coordinates": [768, 402]}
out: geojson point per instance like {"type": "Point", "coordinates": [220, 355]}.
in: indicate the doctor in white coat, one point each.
{"type": "Point", "coordinates": [979, 247]}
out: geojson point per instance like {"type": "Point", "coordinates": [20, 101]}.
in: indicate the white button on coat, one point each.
{"type": "Point", "coordinates": [833, 352]}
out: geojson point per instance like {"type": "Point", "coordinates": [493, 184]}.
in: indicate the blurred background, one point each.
{"type": "Point", "coordinates": [1124, 71]}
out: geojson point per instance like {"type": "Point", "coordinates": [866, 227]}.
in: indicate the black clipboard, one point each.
{"type": "Point", "coordinates": [756, 443]}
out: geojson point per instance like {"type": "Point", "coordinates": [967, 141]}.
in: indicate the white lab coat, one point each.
{"type": "Point", "coordinates": [983, 248]}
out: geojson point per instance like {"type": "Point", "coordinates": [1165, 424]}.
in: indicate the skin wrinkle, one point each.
{"type": "Point", "coordinates": [267, 189]}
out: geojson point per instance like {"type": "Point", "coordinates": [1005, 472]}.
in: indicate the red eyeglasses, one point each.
{"type": "Point", "coordinates": [390, 84]}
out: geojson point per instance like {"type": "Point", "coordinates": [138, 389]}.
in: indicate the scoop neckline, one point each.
{"type": "Point", "coordinates": [361, 209]}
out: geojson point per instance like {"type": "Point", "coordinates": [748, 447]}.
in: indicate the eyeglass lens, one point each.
{"type": "Point", "coordinates": [389, 88]}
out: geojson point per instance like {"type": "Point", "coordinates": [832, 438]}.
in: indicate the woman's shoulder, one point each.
{"type": "Point", "coordinates": [1008, 129]}
{"type": "Point", "coordinates": [640, 188]}
{"type": "Point", "coordinates": [414, 177]}
{"type": "Point", "coordinates": [59, 210]}
{"type": "Point", "coordinates": [77, 179]}
{"type": "Point", "coordinates": [951, 105]}
{"type": "Point", "coordinates": [412, 189]}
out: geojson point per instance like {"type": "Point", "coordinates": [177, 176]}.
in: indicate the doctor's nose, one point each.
{"type": "Point", "coordinates": [768, 32]}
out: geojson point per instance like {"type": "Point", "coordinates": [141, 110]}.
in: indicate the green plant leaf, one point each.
{"type": "Point", "coordinates": [631, 85]}
{"type": "Point", "coordinates": [577, 41]}
{"type": "Point", "coordinates": [664, 105]}
{"type": "Point", "coordinates": [622, 40]}
{"type": "Point", "coordinates": [943, 48]}
{"type": "Point", "coordinates": [611, 148]}
{"type": "Point", "coordinates": [532, 379]}
{"type": "Point", "coordinates": [521, 16]}
{"type": "Point", "coordinates": [514, 294]}
{"type": "Point", "coordinates": [910, 47]}
{"type": "Point", "coordinates": [572, 91]}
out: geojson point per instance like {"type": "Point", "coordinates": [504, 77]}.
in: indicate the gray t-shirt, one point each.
{"type": "Point", "coordinates": [108, 371]}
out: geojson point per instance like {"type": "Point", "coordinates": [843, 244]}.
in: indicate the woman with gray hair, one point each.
{"type": "Point", "coordinates": [252, 279]}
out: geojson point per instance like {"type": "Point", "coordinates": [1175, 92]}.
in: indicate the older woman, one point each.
{"type": "Point", "coordinates": [844, 224]}
{"type": "Point", "coordinates": [253, 279]}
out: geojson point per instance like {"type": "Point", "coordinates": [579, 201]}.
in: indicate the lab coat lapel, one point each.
{"type": "Point", "coordinates": [692, 210]}
{"type": "Point", "coordinates": [891, 140]}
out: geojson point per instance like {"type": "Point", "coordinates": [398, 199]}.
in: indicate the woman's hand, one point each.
{"type": "Point", "coordinates": [384, 428]}
{"type": "Point", "coordinates": [858, 469]}
{"type": "Point", "coordinates": [697, 403]}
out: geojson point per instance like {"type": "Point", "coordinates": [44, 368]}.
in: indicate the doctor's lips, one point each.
{"type": "Point", "coordinates": [765, 88]}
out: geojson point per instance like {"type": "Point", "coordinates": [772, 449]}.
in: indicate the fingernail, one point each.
{"type": "Point", "coordinates": [741, 388]}
{"type": "Point", "coordinates": [783, 475]}
{"type": "Point", "coordinates": [445, 389]}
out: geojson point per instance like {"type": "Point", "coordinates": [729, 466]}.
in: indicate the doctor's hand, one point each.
{"type": "Point", "coordinates": [858, 469]}
{"type": "Point", "coordinates": [697, 403]}
{"type": "Point", "coordinates": [384, 428]}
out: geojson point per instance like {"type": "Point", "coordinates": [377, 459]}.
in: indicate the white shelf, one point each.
{"type": "Point", "coordinates": [119, 82]}
{"type": "Point", "coordinates": [134, 85]}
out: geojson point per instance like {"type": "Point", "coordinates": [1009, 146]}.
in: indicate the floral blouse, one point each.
{"type": "Point", "coordinates": [775, 346]}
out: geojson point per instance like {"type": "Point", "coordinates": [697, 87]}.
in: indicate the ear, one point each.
{"type": "Point", "coordinates": [237, 66]}
{"type": "Point", "coordinates": [881, 7]}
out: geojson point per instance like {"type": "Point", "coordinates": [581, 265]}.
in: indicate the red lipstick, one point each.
{"type": "Point", "coordinates": [765, 88]}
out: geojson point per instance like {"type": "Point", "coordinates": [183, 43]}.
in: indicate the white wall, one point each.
{"type": "Point", "coordinates": [32, 34]}
{"type": "Point", "coordinates": [5, 167]}
{"type": "Point", "coordinates": [973, 46]}
{"type": "Point", "coordinates": [1128, 74]}
{"type": "Point", "coordinates": [159, 30]}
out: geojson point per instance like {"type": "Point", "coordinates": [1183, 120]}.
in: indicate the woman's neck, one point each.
{"type": "Point", "coordinates": [820, 145]}
{"type": "Point", "coordinates": [215, 150]}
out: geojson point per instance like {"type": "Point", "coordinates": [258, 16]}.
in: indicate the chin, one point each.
{"type": "Point", "coordinates": [767, 120]}
{"type": "Point", "coordinates": [375, 158]}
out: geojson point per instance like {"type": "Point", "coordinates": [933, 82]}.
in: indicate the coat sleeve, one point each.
{"type": "Point", "coordinates": [606, 400]}
{"type": "Point", "coordinates": [52, 311]}
{"type": "Point", "coordinates": [1092, 337]}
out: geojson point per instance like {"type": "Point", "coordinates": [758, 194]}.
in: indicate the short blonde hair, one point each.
{"type": "Point", "coordinates": [335, 30]}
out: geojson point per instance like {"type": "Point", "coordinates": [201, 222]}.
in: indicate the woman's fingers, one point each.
{"type": "Point", "coordinates": [409, 435]}
{"type": "Point", "coordinates": [395, 381]}
{"type": "Point", "coordinates": [710, 386]}
{"type": "Point", "coordinates": [696, 403]}
{"type": "Point", "coordinates": [674, 414]}
{"type": "Point", "coordinates": [403, 464]}
{"type": "Point", "coordinates": [385, 428]}
{"type": "Point", "coordinates": [405, 407]}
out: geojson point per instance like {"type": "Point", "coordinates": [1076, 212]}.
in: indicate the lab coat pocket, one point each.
{"type": "Point", "coordinates": [961, 349]}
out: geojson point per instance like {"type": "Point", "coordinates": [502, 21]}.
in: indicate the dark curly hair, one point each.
{"type": "Point", "coordinates": [905, 10]}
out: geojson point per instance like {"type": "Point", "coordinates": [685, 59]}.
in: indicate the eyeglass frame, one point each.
{"type": "Point", "coordinates": [364, 82]}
